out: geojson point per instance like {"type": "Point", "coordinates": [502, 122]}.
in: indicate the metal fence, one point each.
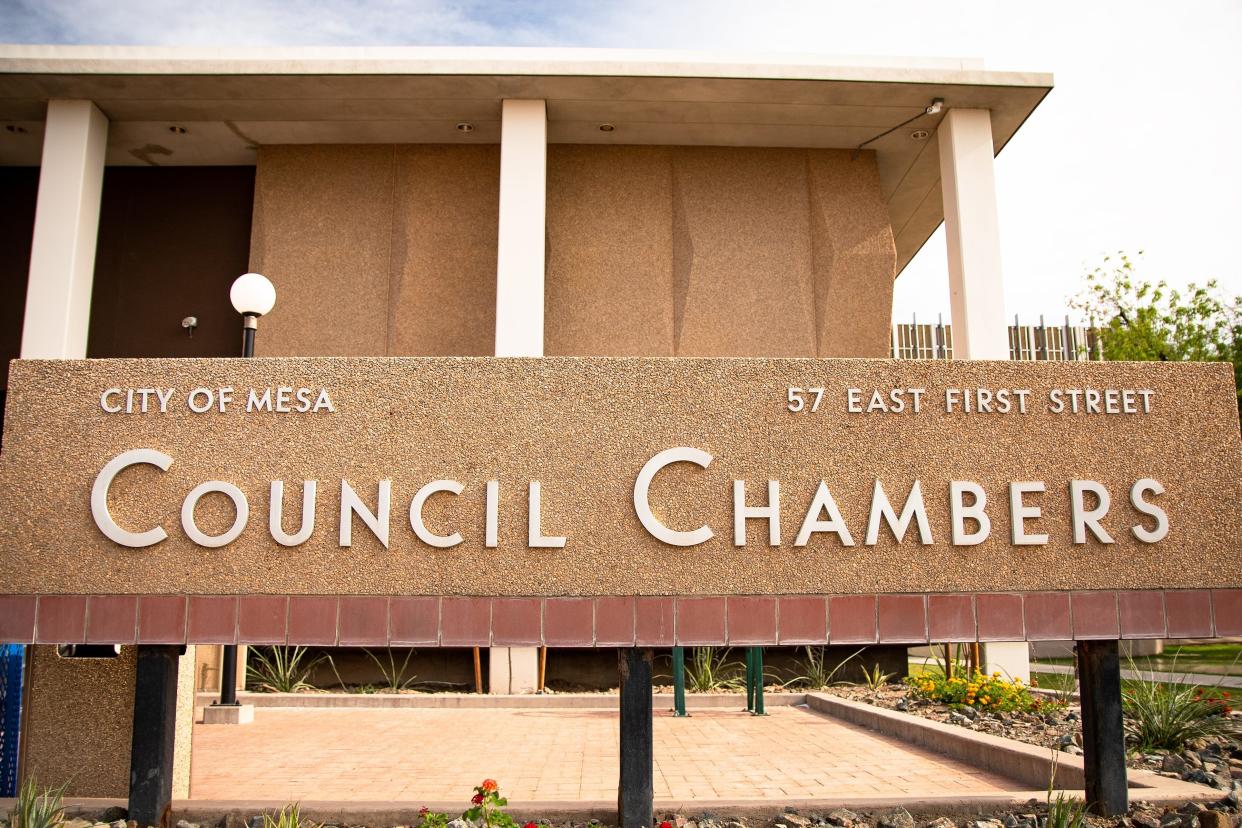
{"type": "Point", "coordinates": [1065, 342]}
{"type": "Point", "coordinates": [12, 660]}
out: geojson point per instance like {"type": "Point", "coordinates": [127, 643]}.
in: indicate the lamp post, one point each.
{"type": "Point", "coordinates": [252, 296]}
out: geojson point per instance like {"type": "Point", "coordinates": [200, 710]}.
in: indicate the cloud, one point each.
{"type": "Point", "coordinates": [291, 23]}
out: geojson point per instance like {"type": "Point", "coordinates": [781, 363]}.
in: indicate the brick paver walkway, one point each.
{"type": "Point", "coordinates": [421, 755]}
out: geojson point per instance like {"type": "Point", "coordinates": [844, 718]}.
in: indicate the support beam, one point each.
{"type": "Point", "coordinates": [519, 299]}
{"type": "Point", "coordinates": [1103, 734]}
{"type": "Point", "coordinates": [155, 729]}
{"type": "Point", "coordinates": [636, 792]}
{"type": "Point", "coordinates": [520, 244]}
{"type": "Point", "coordinates": [62, 254]}
{"type": "Point", "coordinates": [972, 233]}
{"type": "Point", "coordinates": [976, 289]}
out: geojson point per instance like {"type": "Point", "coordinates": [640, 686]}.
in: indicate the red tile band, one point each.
{"type": "Point", "coordinates": [569, 622]}
{"type": "Point", "coordinates": [619, 621]}
{"type": "Point", "coordinates": [700, 621]}
{"type": "Point", "coordinates": [261, 619]}
{"type": "Point", "coordinates": [752, 619]}
{"type": "Point", "coordinates": [112, 619]}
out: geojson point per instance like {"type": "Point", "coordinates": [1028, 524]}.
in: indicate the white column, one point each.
{"type": "Point", "coordinates": [520, 246]}
{"type": "Point", "coordinates": [972, 234]}
{"type": "Point", "coordinates": [976, 290]}
{"type": "Point", "coordinates": [62, 255]}
{"type": "Point", "coordinates": [519, 299]}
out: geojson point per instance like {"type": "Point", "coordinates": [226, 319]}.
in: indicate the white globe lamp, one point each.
{"type": "Point", "coordinates": [253, 294]}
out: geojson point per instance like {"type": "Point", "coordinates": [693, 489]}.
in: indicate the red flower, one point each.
{"type": "Point", "coordinates": [666, 824]}
{"type": "Point", "coordinates": [530, 825]}
{"type": "Point", "coordinates": [489, 785]}
{"type": "Point", "coordinates": [423, 811]}
{"type": "Point", "coordinates": [477, 799]}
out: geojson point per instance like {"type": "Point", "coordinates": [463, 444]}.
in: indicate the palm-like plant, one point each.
{"type": "Point", "coordinates": [282, 669]}
{"type": "Point", "coordinates": [38, 808]}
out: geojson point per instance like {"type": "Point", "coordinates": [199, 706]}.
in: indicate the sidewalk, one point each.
{"type": "Point", "coordinates": [1205, 679]}
{"type": "Point", "coordinates": [430, 755]}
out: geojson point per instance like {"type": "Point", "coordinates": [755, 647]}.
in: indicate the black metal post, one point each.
{"type": "Point", "coordinates": [1103, 735]}
{"type": "Point", "coordinates": [155, 731]}
{"type": "Point", "coordinates": [228, 660]}
{"type": "Point", "coordinates": [636, 792]}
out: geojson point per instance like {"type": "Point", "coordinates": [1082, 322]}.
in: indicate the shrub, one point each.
{"type": "Point", "coordinates": [982, 692]}
{"type": "Point", "coordinates": [1162, 716]}
{"type": "Point", "coordinates": [281, 669]}
{"type": "Point", "coordinates": [709, 669]}
{"type": "Point", "coordinates": [1065, 812]}
{"type": "Point", "coordinates": [289, 817]}
{"type": "Point", "coordinates": [815, 672]}
{"type": "Point", "coordinates": [395, 678]}
{"type": "Point", "coordinates": [35, 808]}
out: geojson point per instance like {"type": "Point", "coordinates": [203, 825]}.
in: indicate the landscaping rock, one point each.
{"type": "Point", "coordinates": [1171, 820]}
{"type": "Point", "coordinates": [181, 823]}
{"type": "Point", "coordinates": [119, 823]}
{"type": "Point", "coordinates": [842, 817]}
{"type": "Point", "coordinates": [795, 820]}
{"type": "Point", "coordinates": [233, 821]}
{"type": "Point", "coordinates": [984, 823]}
{"type": "Point", "coordinates": [899, 818]}
{"type": "Point", "coordinates": [941, 822]}
{"type": "Point", "coordinates": [1214, 819]}
{"type": "Point", "coordinates": [1173, 764]}
{"type": "Point", "coordinates": [1145, 820]}
{"type": "Point", "coordinates": [114, 814]}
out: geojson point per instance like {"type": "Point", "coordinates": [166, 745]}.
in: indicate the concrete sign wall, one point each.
{"type": "Point", "coordinates": [528, 479]}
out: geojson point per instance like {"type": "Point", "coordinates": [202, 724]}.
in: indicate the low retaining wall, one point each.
{"type": "Point", "coordinates": [1028, 764]}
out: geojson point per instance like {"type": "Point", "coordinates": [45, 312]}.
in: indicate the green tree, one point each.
{"type": "Point", "coordinates": [1142, 320]}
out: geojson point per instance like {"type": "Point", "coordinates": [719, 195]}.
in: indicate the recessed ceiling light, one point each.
{"type": "Point", "coordinates": [606, 127]}
{"type": "Point", "coordinates": [920, 134]}
{"type": "Point", "coordinates": [178, 130]}
{"type": "Point", "coordinates": [465, 127]}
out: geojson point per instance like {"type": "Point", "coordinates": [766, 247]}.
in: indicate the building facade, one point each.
{"type": "Point", "coordinates": [446, 202]}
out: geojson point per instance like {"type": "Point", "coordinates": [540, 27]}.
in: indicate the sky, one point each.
{"type": "Point", "coordinates": [1133, 149]}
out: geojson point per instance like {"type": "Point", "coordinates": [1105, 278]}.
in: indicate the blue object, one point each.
{"type": "Point", "coordinates": [12, 660]}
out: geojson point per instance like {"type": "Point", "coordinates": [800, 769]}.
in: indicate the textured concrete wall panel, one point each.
{"type": "Point", "coordinates": [713, 251]}
{"type": "Point", "coordinates": [443, 270]}
{"type": "Point", "coordinates": [322, 233]}
{"type": "Point", "coordinates": [743, 260]}
{"type": "Point", "coordinates": [79, 722]}
{"type": "Point", "coordinates": [610, 252]}
{"type": "Point", "coordinates": [853, 253]}
{"type": "Point", "coordinates": [377, 250]}
{"type": "Point", "coordinates": [583, 428]}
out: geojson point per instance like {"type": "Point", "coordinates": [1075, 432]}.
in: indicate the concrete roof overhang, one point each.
{"type": "Point", "coordinates": [230, 101]}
